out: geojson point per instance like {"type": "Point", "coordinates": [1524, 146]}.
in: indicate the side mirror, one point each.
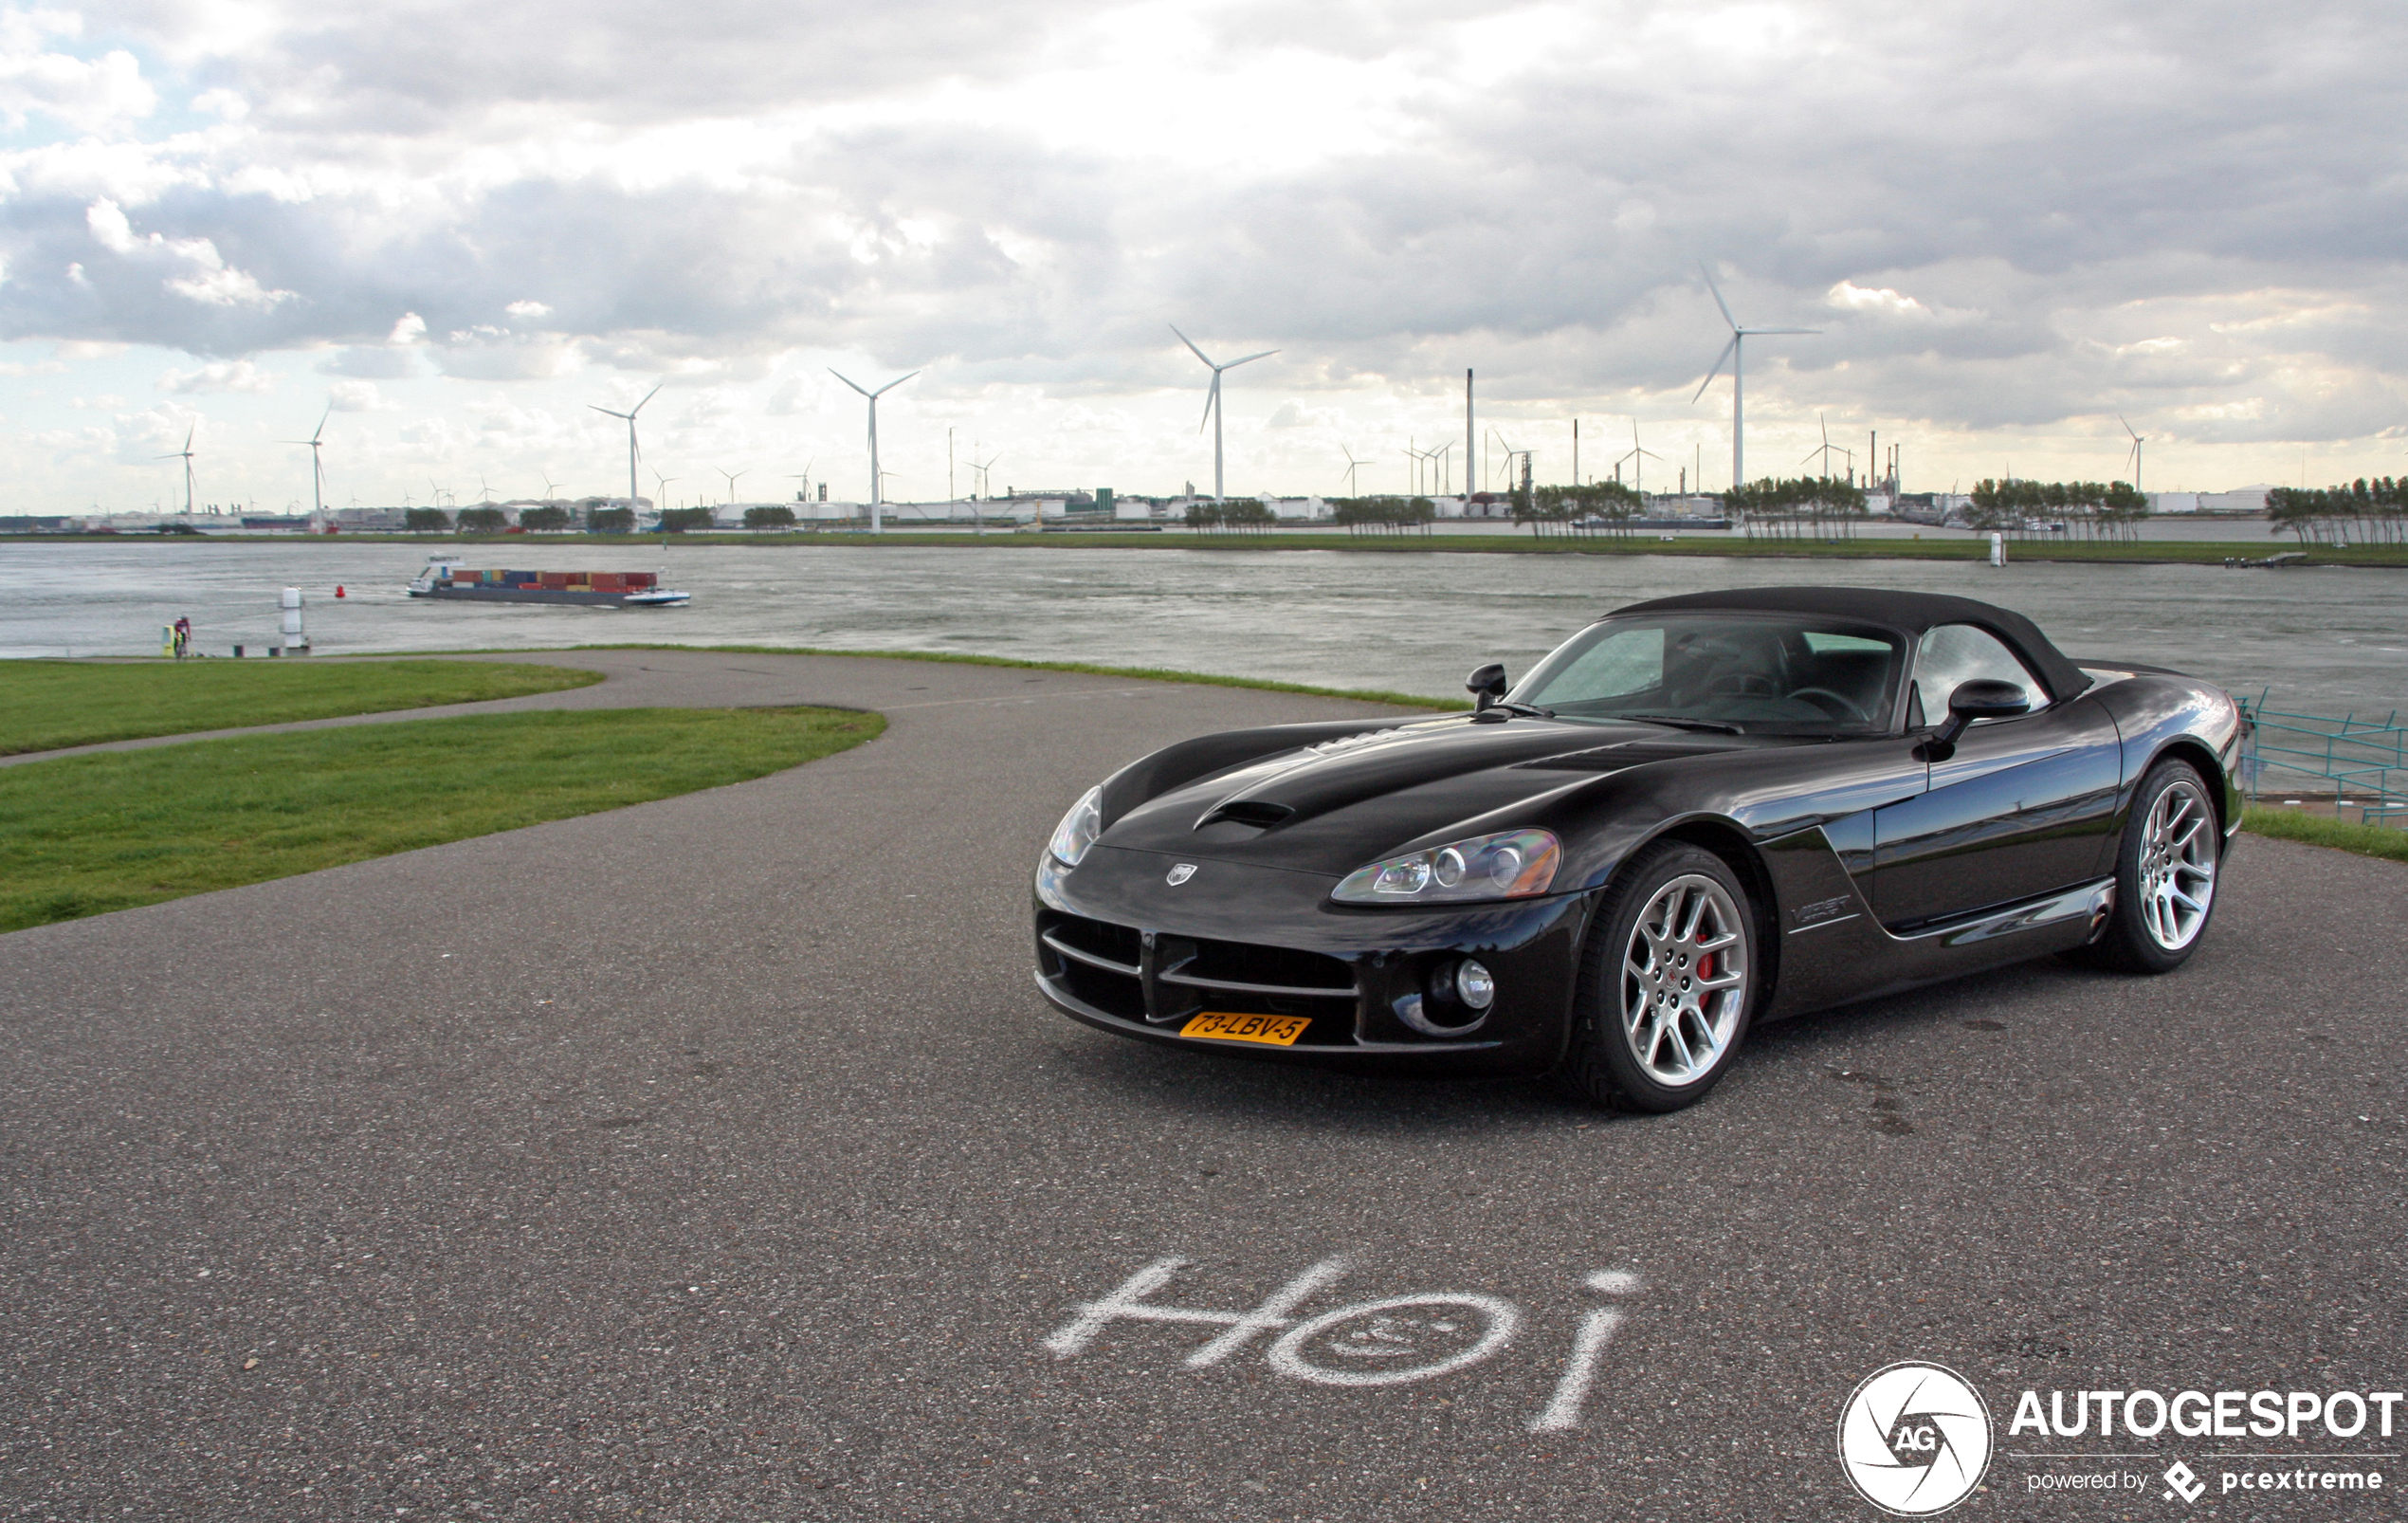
{"type": "Point", "coordinates": [1983, 698]}
{"type": "Point", "coordinates": [1487, 686]}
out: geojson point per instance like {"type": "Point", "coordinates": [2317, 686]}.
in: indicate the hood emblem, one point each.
{"type": "Point", "coordinates": [1181, 873]}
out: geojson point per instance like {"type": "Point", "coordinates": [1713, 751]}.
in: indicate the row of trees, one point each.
{"type": "Point", "coordinates": [1240, 515]}
{"type": "Point", "coordinates": [2363, 512]}
{"type": "Point", "coordinates": [1384, 515]}
{"type": "Point", "coordinates": [1604, 506]}
{"type": "Point", "coordinates": [2098, 510]}
{"type": "Point", "coordinates": [493, 520]}
{"type": "Point", "coordinates": [1799, 507]}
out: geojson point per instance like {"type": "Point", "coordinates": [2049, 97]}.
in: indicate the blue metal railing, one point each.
{"type": "Point", "coordinates": [2365, 763]}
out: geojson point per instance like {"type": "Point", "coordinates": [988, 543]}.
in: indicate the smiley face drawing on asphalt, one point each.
{"type": "Point", "coordinates": [1392, 1335]}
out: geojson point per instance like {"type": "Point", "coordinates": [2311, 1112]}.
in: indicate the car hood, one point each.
{"type": "Point", "coordinates": [1333, 807]}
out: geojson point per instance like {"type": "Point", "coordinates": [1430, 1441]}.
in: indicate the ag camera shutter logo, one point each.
{"type": "Point", "coordinates": [1914, 1439]}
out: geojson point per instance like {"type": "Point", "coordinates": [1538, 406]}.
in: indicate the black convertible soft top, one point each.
{"type": "Point", "coordinates": [1910, 611]}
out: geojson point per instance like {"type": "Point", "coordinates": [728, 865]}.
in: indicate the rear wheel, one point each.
{"type": "Point", "coordinates": [1665, 983]}
{"type": "Point", "coordinates": [2165, 873]}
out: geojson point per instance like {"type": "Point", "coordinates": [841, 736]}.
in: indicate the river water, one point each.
{"type": "Point", "coordinates": [2324, 641]}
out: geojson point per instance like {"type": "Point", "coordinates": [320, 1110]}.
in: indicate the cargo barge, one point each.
{"type": "Point", "coordinates": [447, 578]}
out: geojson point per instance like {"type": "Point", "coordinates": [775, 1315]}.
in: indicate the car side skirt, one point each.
{"type": "Point", "coordinates": [1835, 951]}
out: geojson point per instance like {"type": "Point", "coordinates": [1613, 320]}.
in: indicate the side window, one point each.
{"type": "Point", "coordinates": [1951, 653]}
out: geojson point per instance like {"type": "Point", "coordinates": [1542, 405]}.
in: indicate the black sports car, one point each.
{"type": "Point", "coordinates": [1697, 813]}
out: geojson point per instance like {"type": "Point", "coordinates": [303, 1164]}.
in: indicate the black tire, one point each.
{"type": "Point", "coordinates": [2132, 940]}
{"type": "Point", "coordinates": [1602, 1062]}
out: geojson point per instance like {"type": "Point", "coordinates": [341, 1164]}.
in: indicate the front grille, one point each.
{"type": "Point", "coordinates": [1163, 978]}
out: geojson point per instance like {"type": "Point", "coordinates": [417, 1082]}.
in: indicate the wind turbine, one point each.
{"type": "Point", "coordinates": [2133, 459]}
{"type": "Point", "coordinates": [804, 476]}
{"type": "Point", "coordinates": [1735, 354]}
{"type": "Point", "coordinates": [1827, 450]}
{"type": "Point", "coordinates": [630, 416]}
{"type": "Point", "coordinates": [1213, 400]}
{"type": "Point", "coordinates": [660, 487]}
{"type": "Point", "coordinates": [1638, 458]}
{"type": "Point", "coordinates": [317, 462]}
{"type": "Point", "coordinates": [185, 454]}
{"type": "Point", "coordinates": [877, 477]}
{"type": "Point", "coordinates": [550, 491]}
{"type": "Point", "coordinates": [1353, 465]}
{"type": "Point", "coordinates": [731, 482]}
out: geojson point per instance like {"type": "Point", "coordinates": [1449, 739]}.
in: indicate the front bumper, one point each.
{"type": "Point", "coordinates": [1120, 948]}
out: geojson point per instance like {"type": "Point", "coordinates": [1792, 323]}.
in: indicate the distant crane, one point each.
{"type": "Point", "coordinates": [1213, 400]}
{"type": "Point", "coordinates": [1735, 352]}
{"type": "Point", "coordinates": [317, 462]}
{"type": "Point", "coordinates": [185, 454]}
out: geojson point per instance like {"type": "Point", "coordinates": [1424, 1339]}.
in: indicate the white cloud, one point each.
{"type": "Point", "coordinates": [221, 375]}
{"type": "Point", "coordinates": [527, 311]}
{"type": "Point", "coordinates": [357, 396]}
{"type": "Point", "coordinates": [99, 95]}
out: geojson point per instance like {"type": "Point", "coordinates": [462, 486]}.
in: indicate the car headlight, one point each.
{"type": "Point", "coordinates": [1079, 828]}
{"type": "Point", "coordinates": [1509, 865]}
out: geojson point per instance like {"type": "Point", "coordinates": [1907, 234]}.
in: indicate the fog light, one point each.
{"type": "Point", "coordinates": [1476, 986]}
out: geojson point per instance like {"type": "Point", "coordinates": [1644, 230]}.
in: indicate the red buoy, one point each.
{"type": "Point", "coordinates": [338, 589]}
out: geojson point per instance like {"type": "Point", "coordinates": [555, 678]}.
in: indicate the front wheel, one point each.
{"type": "Point", "coordinates": [1665, 983]}
{"type": "Point", "coordinates": [2165, 873]}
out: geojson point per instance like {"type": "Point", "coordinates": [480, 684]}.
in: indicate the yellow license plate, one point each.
{"type": "Point", "coordinates": [1280, 1031]}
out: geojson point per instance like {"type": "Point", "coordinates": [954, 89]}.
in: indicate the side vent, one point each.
{"type": "Point", "coordinates": [1259, 812]}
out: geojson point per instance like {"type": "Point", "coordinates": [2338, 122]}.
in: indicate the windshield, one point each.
{"type": "Point", "coordinates": [1756, 674]}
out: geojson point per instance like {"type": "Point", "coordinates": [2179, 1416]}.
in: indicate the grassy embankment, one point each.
{"type": "Point", "coordinates": [1937, 545]}
{"type": "Point", "coordinates": [47, 704]}
{"type": "Point", "coordinates": [2315, 830]}
{"type": "Point", "coordinates": [113, 830]}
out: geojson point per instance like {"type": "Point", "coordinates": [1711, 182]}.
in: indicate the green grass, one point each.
{"type": "Point", "coordinates": [46, 705]}
{"type": "Point", "coordinates": [2315, 830]}
{"type": "Point", "coordinates": [113, 830]}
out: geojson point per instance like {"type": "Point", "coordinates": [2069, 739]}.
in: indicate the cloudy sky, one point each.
{"type": "Point", "coordinates": [459, 225]}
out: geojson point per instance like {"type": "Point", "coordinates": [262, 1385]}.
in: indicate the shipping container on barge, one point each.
{"type": "Point", "coordinates": [447, 578]}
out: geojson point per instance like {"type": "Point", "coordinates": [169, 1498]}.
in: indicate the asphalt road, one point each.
{"type": "Point", "coordinates": [715, 1159]}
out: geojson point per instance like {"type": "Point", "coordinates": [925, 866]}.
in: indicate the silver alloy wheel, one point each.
{"type": "Point", "coordinates": [1684, 981]}
{"type": "Point", "coordinates": [2178, 865]}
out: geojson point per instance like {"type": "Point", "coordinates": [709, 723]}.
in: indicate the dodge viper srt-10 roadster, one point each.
{"type": "Point", "coordinates": [1696, 814]}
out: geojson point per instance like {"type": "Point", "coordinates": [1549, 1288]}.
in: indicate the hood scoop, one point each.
{"type": "Point", "coordinates": [1260, 812]}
